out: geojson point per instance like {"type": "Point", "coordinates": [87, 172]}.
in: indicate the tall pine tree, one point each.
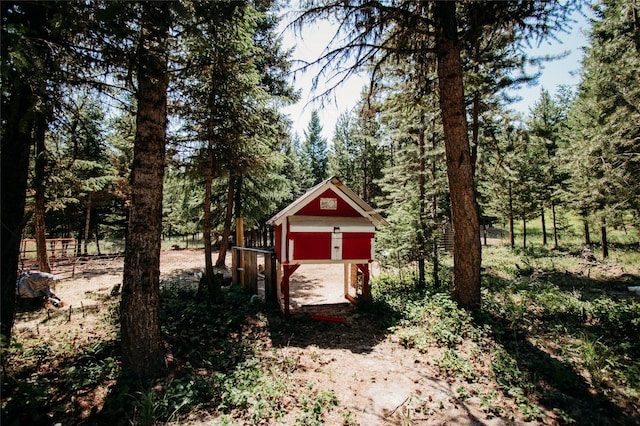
{"type": "Point", "coordinates": [142, 351]}
{"type": "Point", "coordinates": [604, 119]}
{"type": "Point", "coordinates": [373, 33]}
{"type": "Point", "coordinates": [314, 152]}
{"type": "Point", "coordinates": [546, 124]}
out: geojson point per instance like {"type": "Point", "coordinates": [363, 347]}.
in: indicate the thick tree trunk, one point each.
{"type": "Point", "coordinates": [40, 192]}
{"type": "Point", "coordinates": [224, 244]}
{"type": "Point", "coordinates": [16, 144]}
{"type": "Point", "coordinates": [465, 287]}
{"type": "Point", "coordinates": [142, 351]}
{"type": "Point", "coordinates": [475, 109]}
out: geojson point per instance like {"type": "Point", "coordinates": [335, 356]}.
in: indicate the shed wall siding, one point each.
{"type": "Point", "coordinates": [357, 246]}
{"type": "Point", "coordinates": [311, 245]}
{"type": "Point", "coordinates": [319, 246]}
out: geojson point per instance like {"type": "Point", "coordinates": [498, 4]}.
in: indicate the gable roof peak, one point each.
{"type": "Point", "coordinates": [334, 183]}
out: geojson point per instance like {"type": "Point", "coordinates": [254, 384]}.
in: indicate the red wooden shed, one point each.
{"type": "Point", "coordinates": [328, 224]}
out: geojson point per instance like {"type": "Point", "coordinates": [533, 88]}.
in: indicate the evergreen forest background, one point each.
{"type": "Point", "coordinates": [573, 159]}
{"type": "Point", "coordinates": [124, 123]}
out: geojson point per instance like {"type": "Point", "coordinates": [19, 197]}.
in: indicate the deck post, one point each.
{"type": "Point", "coordinates": [288, 271]}
{"type": "Point", "coordinates": [366, 290]}
{"type": "Point", "coordinates": [271, 280]}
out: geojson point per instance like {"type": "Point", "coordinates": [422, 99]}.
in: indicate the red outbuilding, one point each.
{"type": "Point", "coordinates": [328, 224]}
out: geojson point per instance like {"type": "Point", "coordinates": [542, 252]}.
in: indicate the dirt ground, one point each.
{"type": "Point", "coordinates": [377, 380]}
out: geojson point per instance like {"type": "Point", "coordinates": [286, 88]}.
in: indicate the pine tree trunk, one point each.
{"type": "Point", "coordinates": [142, 351]}
{"type": "Point", "coordinates": [16, 143]}
{"type": "Point", "coordinates": [40, 192]}
{"type": "Point", "coordinates": [224, 244]}
{"type": "Point", "coordinates": [206, 234]}
{"type": "Point", "coordinates": [434, 215]}
{"type": "Point", "coordinates": [544, 227]}
{"type": "Point", "coordinates": [365, 192]}
{"type": "Point", "coordinates": [603, 233]}
{"type": "Point", "coordinates": [434, 243]}
{"type": "Point", "coordinates": [97, 239]}
{"type": "Point", "coordinates": [239, 228]}
{"type": "Point", "coordinates": [237, 200]}
{"type": "Point", "coordinates": [87, 224]}
{"type": "Point", "coordinates": [465, 287]}
{"type": "Point", "coordinates": [512, 237]}
{"type": "Point", "coordinates": [524, 233]}
{"type": "Point", "coordinates": [587, 236]}
{"type": "Point", "coordinates": [475, 109]}
{"type": "Point", "coordinates": [421, 209]}
{"type": "Point", "coordinates": [555, 226]}
{"type": "Point", "coordinates": [78, 250]}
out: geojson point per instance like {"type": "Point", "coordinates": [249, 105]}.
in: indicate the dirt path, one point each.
{"type": "Point", "coordinates": [376, 380]}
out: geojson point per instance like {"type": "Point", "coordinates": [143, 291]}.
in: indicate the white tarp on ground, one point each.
{"type": "Point", "coordinates": [37, 284]}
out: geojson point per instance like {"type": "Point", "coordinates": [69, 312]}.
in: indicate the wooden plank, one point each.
{"type": "Point", "coordinates": [328, 318]}
{"type": "Point", "coordinates": [234, 265]}
{"type": "Point", "coordinates": [279, 278]}
{"type": "Point", "coordinates": [253, 249]}
{"type": "Point", "coordinates": [366, 290]}
{"type": "Point", "coordinates": [270, 279]}
{"type": "Point", "coordinates": [346, 279]}
{"type": "Point", "coordinates": [250, 271]}
{"type": "Point", "coordinates": [353, 279]}
{"type": "Point", "coordinates": [288, 271]}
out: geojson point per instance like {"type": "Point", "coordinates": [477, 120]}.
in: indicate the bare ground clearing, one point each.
{"type": "Point", "coordinates": [376, 379]}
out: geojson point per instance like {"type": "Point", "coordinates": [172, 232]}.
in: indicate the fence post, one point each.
{"type": "Point", "coordinates": [270, 279]}
{"type": "Point", "coordinates": [234, 265]}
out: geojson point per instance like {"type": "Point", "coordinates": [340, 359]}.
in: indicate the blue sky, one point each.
{"type": "Point", "coordinates": [312, 40]}
{"type": "Point", "coordinates": [560, 71]}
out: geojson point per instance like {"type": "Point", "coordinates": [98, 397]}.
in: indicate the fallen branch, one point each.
{"type": "Point", "coordinates": [399, 405]}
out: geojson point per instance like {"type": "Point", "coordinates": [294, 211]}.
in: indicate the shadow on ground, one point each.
{"type": "Point", "coordinates": [556, 378]}
{"type": "Point", "coordinates": [343, 326]}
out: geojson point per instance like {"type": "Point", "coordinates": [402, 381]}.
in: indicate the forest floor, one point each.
{"type": "Point", "coordinates": [372, 377]}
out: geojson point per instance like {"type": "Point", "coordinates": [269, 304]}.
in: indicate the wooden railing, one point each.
{"type": "Point", "coordinates": [61, 253]}
{"type": "Point", "coordinates": [248, 272]}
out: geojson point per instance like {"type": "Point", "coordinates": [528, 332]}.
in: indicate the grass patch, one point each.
{"type": "Point", "coordinates": [566, 338]}
{"type": "Point", "coordinates": [558, 334]}
{"type": "Point", "coordinates": [217, 369]}
{"type": "Point", "coordinates": [556, 341]}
